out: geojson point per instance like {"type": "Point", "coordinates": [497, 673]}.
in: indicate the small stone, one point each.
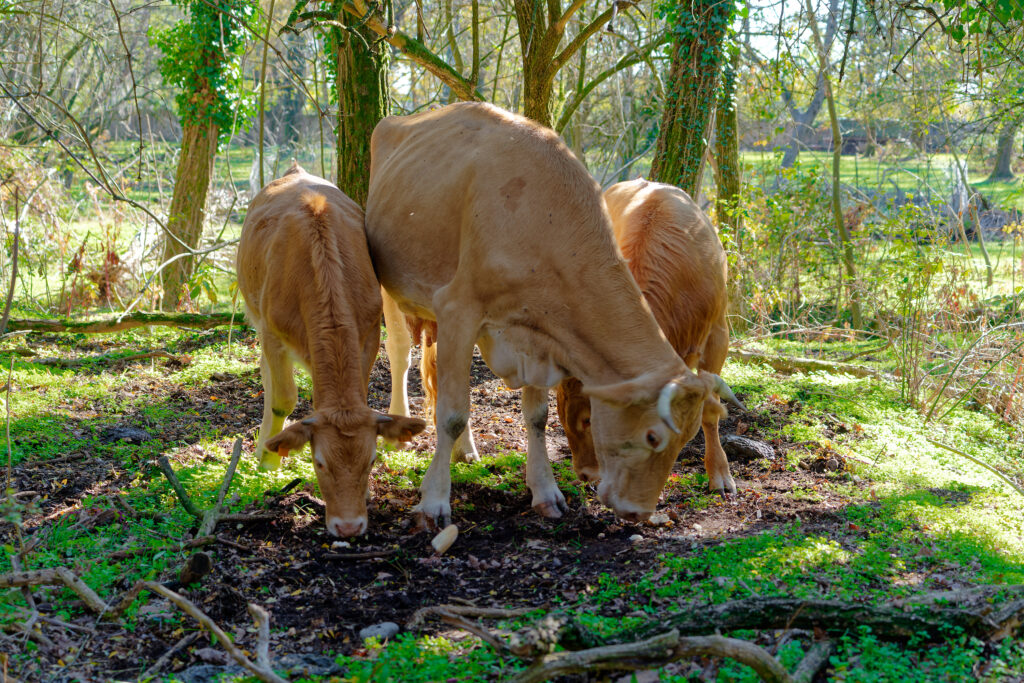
{"type": "Point", "coordinates": [340, 545]}
{"type": "Point", "coordinates": [381, 631]}
{"type": "Point", "coordinates": [210, 655]}
{"type": "Point", "coordinates": [636, 538]}
{"type": "Point", "coordinates": [601, 535]}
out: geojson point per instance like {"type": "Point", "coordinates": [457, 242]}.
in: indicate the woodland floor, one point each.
{"type": "Point", "coordinates": [505, 554]}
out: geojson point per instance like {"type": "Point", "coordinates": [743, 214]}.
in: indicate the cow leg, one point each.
{"type": "Point", "coordinates": [456, 331]}
{"type": "Point", "coordinates": [398, 346]}
{"type": "Point", "coordinates": [464, 449]}
{"type": "Point", "coordinates": [715, 462]}
{"type": "Point", "coordinates": [547, 499]}
{"type": "Point", "coordinates": [279, 395]}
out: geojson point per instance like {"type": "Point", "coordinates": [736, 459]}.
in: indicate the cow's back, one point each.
{"type": "Point", "coordinates": [471, 183]}
{"type": "Point", "coordinates": [302, 258]}
{"type": "Point", "coordinates": [675, 256]}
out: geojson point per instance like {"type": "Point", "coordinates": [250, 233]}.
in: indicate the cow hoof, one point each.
{"type": "Point", "coordinates": [433, 518]}
{"type": "Point", "coordinates": [550, 510]}
{"type": "Point", "coordinates": [459, 456]}
{"type": "Point", "coordinates": [270, 461]}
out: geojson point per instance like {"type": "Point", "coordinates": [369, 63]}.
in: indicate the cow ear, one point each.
{"type": "Point", "coordinates": [397, 429]}
{"type": "Point", "coordinates": [293, 438]}
{"type": "Point", "coordinates": [636, 390]}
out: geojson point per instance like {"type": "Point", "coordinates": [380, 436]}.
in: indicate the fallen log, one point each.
{"type": "Point", "coordinates": [895, 621]}
{"type": "Point", "coordinates": [791, 364]}
{"type": "Point", "coordinates": [203, 321]}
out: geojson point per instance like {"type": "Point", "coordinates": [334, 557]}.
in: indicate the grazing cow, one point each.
{"type": "Point", "coordinates": [310, 292]}
{"type": "Point", "coordinates": [677, 261]}
{"type": "Point", "coordinates": [485, 222]}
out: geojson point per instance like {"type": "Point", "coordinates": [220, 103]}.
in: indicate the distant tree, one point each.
{"type": "Point", "coordinates": [202, 59]}
{"type": "Point", "coordinates": [1004, 151]}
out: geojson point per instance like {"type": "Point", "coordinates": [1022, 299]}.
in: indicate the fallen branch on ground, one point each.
{"type": "Point", "coordinates": [264, 673]}
{"type": "Point", "coordinates": [203, 321]}
{"type": "Point", "coordinates": [55, 577]}
{"type": "Point", "coordinates": [104, 358]}
{"type": "Point", "coordinates": [166, 657]}
{"type": "Point", "coordinates": [988, 467]}
{"type": "Point", "coordinates": [898, 621]}
{"type": "Point", "coordinates": [790, 364]}
{"type": "Point", "coordinates": [209, 519]}
{"type": "Point", "coordinates": [654, 652]}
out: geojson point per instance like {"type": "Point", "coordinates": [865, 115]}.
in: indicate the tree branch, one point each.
{"type": "Point", "coordinates": [417, 52]}
{"type": "Point", "coordinates": [590, 29]}
{"type": "Point", "coordinates": [625, 61]}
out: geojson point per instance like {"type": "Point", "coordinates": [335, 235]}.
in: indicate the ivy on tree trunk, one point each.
{"type": "Point", "coordinates": [699, 28]}
{"type": "Point", "coordinates": [201, 55]}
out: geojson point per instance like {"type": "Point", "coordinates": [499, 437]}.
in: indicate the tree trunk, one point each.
{"type": "Point", "coordinates": [362, 87]}
{"type": "Point", "coordinates": [188, 207]}
{"type": "Point", "coordinates": [697, 54]}
{"type": "Point", "coordinates": [727, 151]}
{"type": "Point", "coordinates": [537, 54]}
{"type": "Point", "coordinates": [1004, 152]}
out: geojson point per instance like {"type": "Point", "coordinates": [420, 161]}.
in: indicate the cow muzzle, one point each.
{"type": "Point", "coordinates": [345, 528]}
{"type": "Point", "coordinates": [625, 510]}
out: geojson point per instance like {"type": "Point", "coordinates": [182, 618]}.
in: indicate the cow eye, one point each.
{"type": "Point", "coordinates": [653, 440]}
{"type": "Point", "coordinates": [586, 422]}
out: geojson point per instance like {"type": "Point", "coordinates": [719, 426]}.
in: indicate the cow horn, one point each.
{"type": "Point", "coordinates": [668, 392]}
{"type": "Point", "coordinates": [725, 392]}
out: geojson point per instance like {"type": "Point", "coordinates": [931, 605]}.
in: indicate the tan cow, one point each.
{"type": "Point", "coordinates": [311, 293]}
{"type": "Point", "coordinates": [678, 262]}
{"type": "Point", "coordinates": [485, 222]}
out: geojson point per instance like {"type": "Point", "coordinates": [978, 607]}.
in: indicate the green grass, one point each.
{"type": "Point", "coordinates": [917, 174]}
{"type": "Point", "coordinates": [926, 516]}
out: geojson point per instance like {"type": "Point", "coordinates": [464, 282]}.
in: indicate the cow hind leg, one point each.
{"type": "Point", "coordinates": [398, 346]}
{"type": "Point", "coordinates": [715, 462]}
{"type": "Point", "coordinates": [464, 449]}
{"type": "Point", "coordinates": [279, 396]}
{"type": "Point", "coordinates": [547, 499]}
{"type": "Point", "coordinates": [456, 330]}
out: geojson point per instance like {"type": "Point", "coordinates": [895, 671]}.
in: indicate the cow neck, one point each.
{"type": "Point", "coordinates": [613, 336]}
{"type": "Point", "coordinates": [335, 345]}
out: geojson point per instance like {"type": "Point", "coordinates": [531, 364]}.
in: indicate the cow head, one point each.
{"type": "Point", "coordinates": [638, 428]}
{"type": "Point", "coordinates": [344, 445]}
{"type": "Point", "coordinates": [574, 414]}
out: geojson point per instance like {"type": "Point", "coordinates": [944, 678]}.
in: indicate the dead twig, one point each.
{"type": "Point", "coordinates": [188, 607]}
{"type": "Point", "coordinates": [165, 466]}
{"type": "Point", "coordinates": [262, 619]}
{"type": "Point", "coordinates": [56, 577]}
{"type": "Point", "coordinates": [466, 611]}
{"type": "Point", "coordinates": [368, 555]}
{"type": "Point", "coordinates": [652, 652]}
{"type": "Point", "coordinates": [213, 515]}
{"type": "Point", "coordinates": [166, 657]}
{"type": "Point", "coordinates": [988, 467]}
{"type": "Point", "coordinates": [813, 661]}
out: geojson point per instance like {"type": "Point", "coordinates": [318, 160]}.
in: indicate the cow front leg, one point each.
{"type": "Point", "coordinates": [279, 396]}
{"type": "Point", "coordinates": [547, 499]}
{"type": "Point", "coordinates": [715, 462]}
{"type": "Point", "coordinates": [456, 336]}
{"type": "Point", "coordinates": [398, 345]}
